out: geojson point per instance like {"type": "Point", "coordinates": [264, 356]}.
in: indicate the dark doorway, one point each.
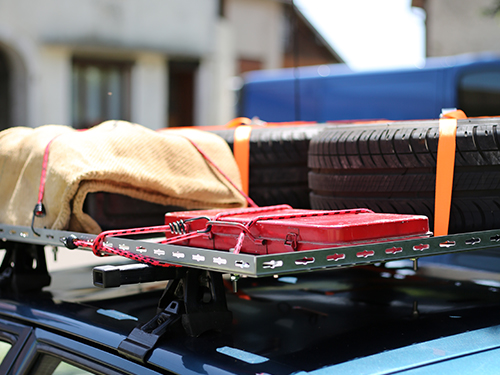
{"type": "Point", "coordinates": [181, 92]}
{"type": "Point", "coordinates": [4, 92]}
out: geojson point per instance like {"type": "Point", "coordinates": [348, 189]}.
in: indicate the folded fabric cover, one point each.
{"type": "Point", "coordinates": [116, 157]}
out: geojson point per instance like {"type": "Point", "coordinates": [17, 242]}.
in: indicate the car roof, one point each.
{"type": "Point", "coordinates": [375, 319]}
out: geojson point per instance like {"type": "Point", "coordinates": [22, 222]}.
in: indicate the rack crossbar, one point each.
{"type": "Point", "coordinates": [273, 264]}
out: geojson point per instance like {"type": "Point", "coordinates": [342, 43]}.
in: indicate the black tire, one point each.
{"type": "Point", "coordinates": [400, 145]}
{"type": "Point", "coordinates": [391, 168]}
{"type": "Point", "coordinates": [278, 163]}
{"type": "Point", "coordinates": [412, 182]}
{"type": "Point", "coordinates": [117, 211]}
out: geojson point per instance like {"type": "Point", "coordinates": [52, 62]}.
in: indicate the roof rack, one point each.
{"type": "Point", "coordinates": [270, 264]}
{"type": "Point", "coordinates": [195, 296]}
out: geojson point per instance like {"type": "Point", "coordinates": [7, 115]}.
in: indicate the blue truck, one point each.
{"type": "Point", "coordinates": [335, 92]}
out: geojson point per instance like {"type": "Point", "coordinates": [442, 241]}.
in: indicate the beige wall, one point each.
{"type": "Point", "coordinates": [258, 28]}
{"type": "Point", "coordinates": [166, 25]}
{"type": "Point", "coordinates": [52, 86]}
{"type": "Point", "coordinates": [460, 26]}
{"type": "Point", "coordinates": [42, 36]}
{"type": "Point", "coordinates": [216, 104]}
{"type": "Point", "coordinates": [149, 94]}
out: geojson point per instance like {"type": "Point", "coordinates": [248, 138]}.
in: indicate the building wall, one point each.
{"type": "Point", "coordinates": [216, 104]}
{"type": "Point", "coordinates": [40, 38]}
{"type": "Point", "coordinates": [52, 86]}
{"type": "Point", "coordinates": [164, 25]}
{"type": "Point", "coordinates": [149, 96]}
{"type": "Point", "coordinates": [460, 26]}
{"type": "Point", "coordinates": [258, 27]}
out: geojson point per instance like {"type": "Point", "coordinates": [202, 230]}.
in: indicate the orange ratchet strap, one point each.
{"type": "Point", "coordinates": [241, 144]}
{"type": "Point", "coordinates": [241, 148]}
{"type": "Point", "coordinates": [445, 167]}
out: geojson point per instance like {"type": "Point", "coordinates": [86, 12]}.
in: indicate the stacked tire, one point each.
{"type": "Point", "coordinates": [278, 163]}
{"type": "Point", "coordinates": [391, 168]}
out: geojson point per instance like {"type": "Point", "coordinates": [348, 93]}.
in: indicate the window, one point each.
{"type": "Point", "coordinates": [50, 365]}
{"type": "Point", "coordinates": [12, 339]}
{"type": "Point", "coordinates": [46, 353]}
{"type": "Point", "coordinates": [182, 77]}
{"type": "Point", "coordinates": [4, 349]}
{"type": "Point", "coordinates": [479, 94]}
{"type": "Point", "coordinates": [66, 369]}
{"type": "Point", "coordinates": [101, 91]}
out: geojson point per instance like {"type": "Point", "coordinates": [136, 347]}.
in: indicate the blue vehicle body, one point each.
{"type": "Point", "coordinates": [458, 354]}
{"type": "Point", "coordinates": [335, 92]}
{"type": "Point", "coordinates": [363, 320]}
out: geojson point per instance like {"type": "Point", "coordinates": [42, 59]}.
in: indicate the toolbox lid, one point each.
{"type": "Point", "coordinates": [311, 226]}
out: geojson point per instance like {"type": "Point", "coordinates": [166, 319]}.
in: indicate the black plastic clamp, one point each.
{"type": "Point", "coordinates": [143, 339]}
{"type": "Point", "coordinates": [195, 297]}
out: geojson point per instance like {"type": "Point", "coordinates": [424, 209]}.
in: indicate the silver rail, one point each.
{"type": "Point", "coordinates": [273, 264]}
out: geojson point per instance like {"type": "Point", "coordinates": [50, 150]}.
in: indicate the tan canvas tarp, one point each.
{"type": "Point", "coordinates": [116, 157]}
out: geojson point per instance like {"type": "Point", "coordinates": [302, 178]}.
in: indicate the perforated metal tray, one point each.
{"type": "Point", "coordinates": [273, 264]}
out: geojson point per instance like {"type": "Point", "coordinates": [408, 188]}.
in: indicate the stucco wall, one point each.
{"type": "Point", "coordinates": [258, 27]}
{"type": "Point", "coordinates": [165, 25]}
{"type": "Point", "coordinates": [40, 38]}
{"type": "Point", "coordinates": [149, 96]}
{"type": "Point", "coordinates": [460, 26]}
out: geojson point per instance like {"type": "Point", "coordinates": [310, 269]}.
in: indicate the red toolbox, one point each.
{"type": "Point", "coordinates": [278, 229]}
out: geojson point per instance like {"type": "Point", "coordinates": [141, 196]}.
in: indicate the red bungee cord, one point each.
{"type": "Point", "coordinates": [39, 210]}
{"type": "Point", "coordinates": [250, 202]}
{"type": "Point", "coordinates": [100, 248]}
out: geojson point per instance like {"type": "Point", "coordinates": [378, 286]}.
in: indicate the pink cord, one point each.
{"type": "Point", "coordinates": [250, 202]}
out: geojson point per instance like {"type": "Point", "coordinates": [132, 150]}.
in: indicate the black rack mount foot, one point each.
{"type": "Point", "coordinates": [194, 297]}
{"type": "Point", "coordinates": [205, 303]}
{"type": "Point", "coordinates": [24, 268]}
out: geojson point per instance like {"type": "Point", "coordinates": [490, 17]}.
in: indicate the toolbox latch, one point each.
{"type": "Point", "coordinates": [291, 241]}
